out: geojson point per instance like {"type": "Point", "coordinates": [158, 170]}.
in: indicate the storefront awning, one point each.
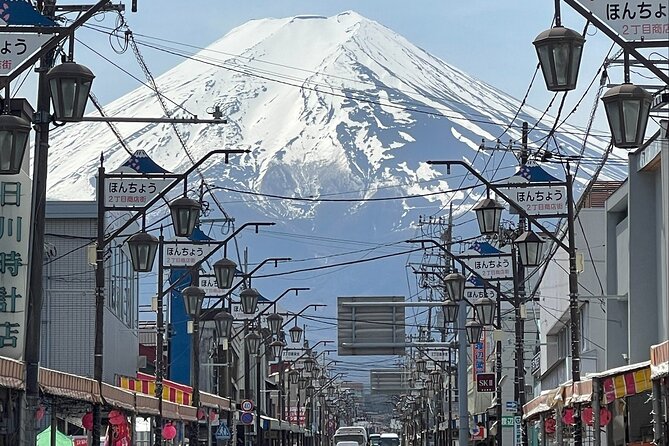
{"type": "Point", "coordinates": [63, 384]}
{"type": "Point", "coordinates": [659, 360]}
{"type": "Point", "coordinates": [214, 401]}
{"type": "Point", "coordinates": [117, 397]}
{"type": "Point", "coordinates": [270, 423]}
{"type": "Point", "coordinates": [11, 373]}
{"type": "Point", "coordinates": [624, 381]}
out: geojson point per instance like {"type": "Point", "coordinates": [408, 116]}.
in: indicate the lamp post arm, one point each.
{"type": "Point", "coordinates": [172, 185]}
{"type": "Point", "coordinates": [296, 315]}
{"type": "Point", "coordinates": [330, 381]}
{"type": "Point", "coordinates": [505, 197]}
{"type": "Point", "coordinates": [464, 265]}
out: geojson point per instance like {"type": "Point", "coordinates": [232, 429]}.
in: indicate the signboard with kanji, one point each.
{"type": "Point", "coordinates": [133, 192]}
{"type": "Point", "coordinates": [633, 19]}
{"type": "Point", "coordinates": [185, 253]}
{"type": "Point", "coordinates": [540, 200]}
{"type": "Point", "coordinates": [17, 47]}
{"type": "Point", "coordinates": [485, 382]}
{"type": "Point", "coordinates": [488, 262]}
{"type": "Point", "coordinates": [238, 314]}
{"type": "Point", "coordinates": [478, 355]}
{"type": "Point", "coordinates": [210, 287]}
{"type": "Point", "coordinates": [15, 225]}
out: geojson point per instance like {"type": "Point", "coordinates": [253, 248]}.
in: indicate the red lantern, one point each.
{"type": "Point", "coordinates": [212, 416]}
{"type": "Point", "coordinates": [604, 416]}
{"type": "Point", "coordinates": [568, 417]}
{"type": "Point", "coordinates": [549, 425]}
{"type": "Point", "coordinates": [588, 416]}
{"type": "Point", "coordinates": [87, 421]}
{"type": "Point", "coordinates": [201, 415]}
{"type": "Point", "coordinates": [116, 418]}
{"type": "Point", "coordinates": [169, 431]}
{"type": "Point", "coordinates": [39, 413]}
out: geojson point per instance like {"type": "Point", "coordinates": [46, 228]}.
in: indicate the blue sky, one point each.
{"type": "Point", "coordinates": [490, 40]}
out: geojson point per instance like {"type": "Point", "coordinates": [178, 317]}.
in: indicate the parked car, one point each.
{"type": "Point", "coordinates": [374, 439]}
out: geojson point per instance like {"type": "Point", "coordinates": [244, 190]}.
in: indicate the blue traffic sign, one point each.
{"type": "Point", "coordinates": [246, 418]}
{"type": "Point", "coordinates": [223, 433]}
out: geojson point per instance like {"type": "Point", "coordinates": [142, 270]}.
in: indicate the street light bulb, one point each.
{"type": "Point", "coordinates": [185, 214]}
{"type": "Point", "coordinates": [143, 248]}
{"type": "Point", "coordinates": [455, 286]}
{"type": "Point", "coordinates": [627, 109]}
{"type": "Point", "coordinates": [559, 50]}
{"type": "Point", "coordinates": [14, 133]}
{"type": "Point", "coordinates": [193, 297]}
{"type": "Point", "coordinates": [224, 270]}
{"type": "Point", "coordinates": [489, 215]}
{"type": "Point", "coordinates": [69, 85]}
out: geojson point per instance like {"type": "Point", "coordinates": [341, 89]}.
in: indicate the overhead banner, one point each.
{"type": "Point", "coordinates": [15, 219]}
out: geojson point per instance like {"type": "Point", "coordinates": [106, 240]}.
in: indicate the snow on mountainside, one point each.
{"type": "Point", "coordinates": [327, 105]}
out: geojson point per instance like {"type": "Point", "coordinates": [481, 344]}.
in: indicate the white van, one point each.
{"type": "Point", "coordinates": [389, 440]}
{"type": "Point", "coordinates": [351, 433]}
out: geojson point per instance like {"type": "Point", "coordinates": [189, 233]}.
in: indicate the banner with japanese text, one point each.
{"type": "Point", "coordinates": [15, 217]}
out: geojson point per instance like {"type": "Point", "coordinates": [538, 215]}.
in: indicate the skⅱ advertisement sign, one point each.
{"type": "Point", "coordinates": [15, 209]}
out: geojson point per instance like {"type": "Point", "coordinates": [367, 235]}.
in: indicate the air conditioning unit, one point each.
{"type": "Point", "coordinates": [141, 362]}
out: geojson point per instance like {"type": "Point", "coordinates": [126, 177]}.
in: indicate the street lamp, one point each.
{"type": "Point", "coordinates": [309, 365]}
{"type": "Point", "coordinates": [274, 321]}
{"type": "Point", "coordinates": [69, 85]}
{"type": "Point", "coordinates": [310, 391]}
{"type": "Point", "coordinates": [143, 247]}
{"type": "Point", "coordinates": [224, 271]}
{"type": "Point", "coordinates": [249, 299]}
{"type": "Point", "coordinates": [627, 108]}
{"type": "Point", "coordinates": [277, 349]}
{"type": "Point", "coordinates": [559, 50]}
{"type": "Point", "coordinates": [301, 383]}
{"type": "Point", "coordinates": [14, 133]}
{"type": "Point", "coordinates": [253, 342]}
{"type": "Point", "coordinates": [185, 213]}
{"type": "Point", "coordinates": [421, 365]}
{"type": "Point", "coordinates": [223, 321]}
{"type": "Point", "coordinates": [450, 310]}
{"type": "Point", "coordinates": [530, 248]}
{"type": "Point", "coordinates": [474, 331]}
{"type": "Point", "coordinates": [455, 286]}
{"type": "Point", "coordinates": [485, 310]}
{"type": "Point", "coordinates": [193, 298]}
{"type": "Point", "coordinates": [488, 214]}
{"type": "Point", "coordinates": [294, 376]}
{"type": "Point", "coordinates": [295, 334]}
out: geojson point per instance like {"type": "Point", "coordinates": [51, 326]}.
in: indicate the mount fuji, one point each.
{"type": "Point", "coordinates": [340, 115]}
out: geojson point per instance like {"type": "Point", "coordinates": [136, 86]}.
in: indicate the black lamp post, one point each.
{"type": "Point", "coordinates": [249, 299]}
{"type": "Point", "coordinates": [14, 133]}
{"type": "Point", "coordinates": [143, 247]}
{"type": "Point", "coordinates": [69, 85]}
{"type": "Point", "coordinates": [627, 108]}
{"type": "Point", "coordinates": [450, 310]}
{"type": "Point", "coordinates": [530, 248]}
{"type": "Point", "coordinates": [455, 286]}
{"type": "Point", "coordinates": [559, 50]}
{"type": "Point", "coordinates": [488, 214]}
{"type": "Point", "coordinates": [474, 332]}
{"type": "Point", "coordinates": [295, 334]}
{"type": "Point", "coordinates": [224, 271]}
{"type": "Point", "coordinates": [193, 297]}
{"type": "Point", "coordinates": [294, 376]}
{"type": "Point", "coordinates": [185, 214]}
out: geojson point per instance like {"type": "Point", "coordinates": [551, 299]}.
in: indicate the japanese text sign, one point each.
{"type": "Point", "coordinates": [491, 267]}
{"type": "Point", "coordinates": [133, 192]}
{"type": "Point", "coordinates": [210, 287]}
{"type": "Point", "coordinates": [182, 254]}
{"type": "Point", "coordinates": [17, 47]}
{"type": "Point", "coordinates": [238, 314]}
{"type": "Point", "coordinates": [14, 249]}
{"type": "Point", "coordinates": [540, 200]}
{"type": "Point", "coordinates": [635, 19]}
{"type": "Point", "coordinates": [478, 357]}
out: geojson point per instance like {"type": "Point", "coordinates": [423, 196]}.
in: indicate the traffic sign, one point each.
{"type": "Point", "coordinates": [511, 406]}
{"type": "Point", "coordinates": [485, 382]}
{"type": "Point", "coordinates": [223, 433]}
{"type": "Point", "coordinates": [508, 421]}
{"type": "Point", "coordinates": [17, 47]}
{"type": "Point", "coordinates": [246, 418]}
{"type": "Point", "coordinates": [247, 405]}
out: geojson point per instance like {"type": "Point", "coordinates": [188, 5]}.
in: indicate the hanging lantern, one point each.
{"type": "Point", "coordinates": [276, 348]}
{"type": "Point", "coordinates": [627, 109]}
{"type": "Point", "coordinates": [310, 391]}
{"type": "Point", "coordinates": [568, 417]}
{"type": "Point", "coordinates": [143, 248]}
{"type": "Point", "coordinates": [224, 270]}
{"type": "Point", "coordinates": [223, 321]}
{"type": "Point", "coordinates": [474, 331]}
{"type": "Point", "coordinates": [69, 85]}
{"type": "Point", "coordinates": [559, 50]}
{"type": "Point", "coordinates": [193, 297]}
{"type": "Point", "coordinates": [549, 425]}
{"type": "Point", "coordinates": [249, 300]}
{"type": "Point", "coordinates": [331, 391]}
{"type": "Point", "coordinates": [14, 133]}
{"type": "Point", "coordinates": [302, 383]}
{"type": "Point", "coordinates": [322, 380]}
{"type": "Point", "coordinates": [294, 376]}
{"type": "Point", "coordinates": [295, 334]}
{"type": "Point", "coordinates": [185, 214]}
{"type": "Point", "coordinates": [421, 365]}
{"type": "Point", "coordinates": [604, 416]}
{"type": "Point", "coordinates": [169, 431]}
{"type": "Point", "coordinates": [435, 378]}
{"type": "Point", "coordinates": [588, 416]}
{"type": "Point", "coordinates": [530, 248]}
{"type": "Point", "coordinates": [274, 321]}
{"type": "Point", "coordinates": [489, 215]}
{"type": "Point", "coordinates": [87, 421]}
{"type": "Point", "coordinates": [253, 343]}
{"type": "Point", "coordinates": [450, 310]}
{"type": "Point", "coordinates": [39, 413]}
{"type": "Point", "coordinates": [485, 310]}
{"type": "Point", "coordinates": [309, 365]}
{"type": "Point", "coordinates": [455, 286]}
